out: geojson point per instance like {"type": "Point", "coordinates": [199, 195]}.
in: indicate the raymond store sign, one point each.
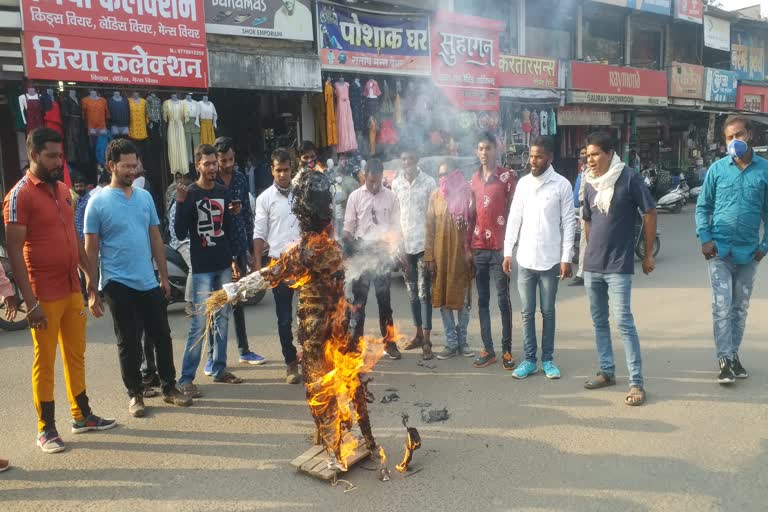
{"type": "Point", "coordinates": [465, 54]}
{"type": "Point", "coordinates": [717, 33]}
{"type": "Point", "coordinates": [720, 86]}
{"type": "Point", "coordinates": [747, 55]}
{"type": "Point", "coordinates": [365, 41]}
{"type": "Point", "coordinates": [277, 19]}
{"type": "Point", "coordinates": [530, 72]}
{"type": "Point", "coordinates": [613, 85]}
{"type": "Point", "coordinates": [689, 10]}
{"type": "Point", "coordinates": [753, 98]}
{"type": "Point", "coordinates": [143, 42]}
{"type": "Point", "coordinates": [686, 81]}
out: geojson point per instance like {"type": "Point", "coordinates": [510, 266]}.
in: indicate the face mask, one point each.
{"type": "Point", "coordinates": [738, 148]}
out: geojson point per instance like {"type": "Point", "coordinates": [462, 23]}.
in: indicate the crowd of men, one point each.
{"type": "Point", "coordinates": [444, 234]}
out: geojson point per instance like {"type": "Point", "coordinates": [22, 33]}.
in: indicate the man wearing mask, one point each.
{"type": "Point", "coordinates": [307, 160]}
{"type": "Point", "coordinates": [241, 238]}
{"type": "Point", "coordinates": [732, 205]}
{"type": "Point", "coordinates": [413, 188]}
{"type": "Point", "coordinates": [542, 226]}
{"type": "Point", "coordinates": [276, 225]}
{"type": "Point", "coordinates": [613, 194]}
{"type": "Point", "coordinates": [578, 199]}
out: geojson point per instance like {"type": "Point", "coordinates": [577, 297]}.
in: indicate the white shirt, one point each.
{"type": "Point", "coordinates": [414, 201]}
{"type": "Point", "coordinates": [207, 111]}
{"type": "Point", "coordinates": [274, 222]}
{"type": "Point", "coordinates": [541, 222]}
{"type": "Point", "coordinates": [373, 218]}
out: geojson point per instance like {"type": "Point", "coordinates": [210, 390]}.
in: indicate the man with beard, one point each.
{"type": "Point", "coordinates": [44, 252]}
{"type": "Point", "coordinates": [121, 225]}
{"type": "Point", "coordinates": [307, 160]}
{"type": "Point", "coordinates": [541, 224]}
{"type": "Point", "coordinates": [293, 18]}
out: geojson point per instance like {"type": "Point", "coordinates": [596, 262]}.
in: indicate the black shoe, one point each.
{"type": "Point", "coordinates": [151, 381]}
{"type": "Point", "coordinates": [392, 351]}
{"type": "Point", "coordinates": [577, 281]}
{"type": "Point", "coordinates": [738, 371]}
{"type": "Point", "coordinates": [726, 372]}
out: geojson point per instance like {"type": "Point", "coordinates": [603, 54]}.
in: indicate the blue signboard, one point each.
{"type": "Point", "coordinates": [747, 55]}
{"type": "Point", "coordinates": [720, 86]}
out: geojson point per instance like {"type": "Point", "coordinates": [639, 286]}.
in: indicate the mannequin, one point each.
{"type": "Point", "coordinates": [31, 109]}
{"type": "Point", "coordinates": [191, 126]}
{"type": "Point", "coordinates": [208, 121]}
{"type": "Point", "coordinates": [75, 136]}
{"type": "Point", "coordinates": [96, 114]}
{"type": "Point", "coordinates": [52, 110]}
{"type": "Point", "coordinates": [137, 129]}
{"type": "Point", "coordinates": [175, 114]}
{"type": "Point", "coordinates": [119, 110]}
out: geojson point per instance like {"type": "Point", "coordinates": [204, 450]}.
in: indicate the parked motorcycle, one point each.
{"type": "Point", "coordinates": [673, 201]}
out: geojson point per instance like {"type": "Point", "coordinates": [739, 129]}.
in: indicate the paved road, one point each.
{"type": "Point", "coordinates": [508, 445]}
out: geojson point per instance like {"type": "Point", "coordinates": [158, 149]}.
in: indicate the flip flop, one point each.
{"type": "Point", "coordinates": [635, 397]}
{"type": "Point", "coordinates": [600, 381]}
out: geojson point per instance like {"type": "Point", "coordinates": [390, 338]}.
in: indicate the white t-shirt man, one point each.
{"type": "Point", "coordinates": [297, 21]}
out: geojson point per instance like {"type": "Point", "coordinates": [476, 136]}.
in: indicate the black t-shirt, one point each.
{"type": "Point", "coordinates": [205, 219]}
{"type": "Point", "coordinates": [611, 245]}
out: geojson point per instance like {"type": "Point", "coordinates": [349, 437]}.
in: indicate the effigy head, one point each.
{"type": "Point", "coordinates": [313, 201]}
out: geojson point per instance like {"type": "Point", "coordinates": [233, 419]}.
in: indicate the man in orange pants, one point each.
{"type": "Point", "coordinates": [44, 252]}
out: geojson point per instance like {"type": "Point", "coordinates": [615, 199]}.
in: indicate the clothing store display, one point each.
{"type": "Point", "coordinates": [192, 127]}
{"type": "Point", "coordinates": [321, 130]}
{"type": "Point", "coordinates": [52, 115]}
{"type": "Point", "coordinates": [371, 89]}
{"type": "Point", "coordinates": [398, 110]}
{"type": "Point", "coordinates": [138, 121]}
{"type": "Point", "coordinates": [544, 121]}
{"type": "Point", "coordinates": [371, 92]}
{"type": "Point", "coordinates": [535, 125]}
{"type": "Point", "coordinates": [32, 110]}
{"type": "Point", "coordinates": [102, 140]}
{"type": "Point", "coordinates": [347, 141]}
{"type": "Point", "coordinates": [175, 114]}
{"type": "Point", "coordinates": [387, 132]}
{"type": "Point", "coordinates": [330, 115]}
{"type": "Point", "coordinates": [95, 113]}
{"type": "Point", "coordinates": [75, 136]}
{"type": "Point", "coordinates": [119, 112]}
{"type": "Point", "coordinates": [154, 109]}
{"type": "Point", "coordinates": [372, 134]}
{"type": "Point", "coordinates": [356, 104]}
{"type": "Point", "coordinates": [552, 122]}
{"type": "Point", "coordinates": [208, 122]}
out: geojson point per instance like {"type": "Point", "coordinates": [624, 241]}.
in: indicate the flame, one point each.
{"type": "Point", "coordinates": [383, 456]}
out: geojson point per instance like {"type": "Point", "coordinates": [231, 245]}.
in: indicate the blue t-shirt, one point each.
{"type": "Point", "coordinates": [611, 244]}
{"type": "Point", "coordinates": [122, 224]}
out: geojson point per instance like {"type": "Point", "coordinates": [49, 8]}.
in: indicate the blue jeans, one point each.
{"type": "Point", "coordinates": [547, 282]}
{"type": "Point", "coordinates": [455, 335]}
{"type": "Point", "coordinates": [202, 286]}
{"type": "Point", "coordinates": [418, 282]}
{"type": "Point", "coordinates": [488, 266]}
{"type": "Point", "coordinates": [617, 288]}
{"type": "Point", "coordinates": [732, 286]}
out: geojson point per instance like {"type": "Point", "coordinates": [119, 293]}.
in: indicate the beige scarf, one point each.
{"type": "Point", "coordinates": [604, 184]}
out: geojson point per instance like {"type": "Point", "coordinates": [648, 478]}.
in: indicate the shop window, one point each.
{"type": "Point", "coordinates": [549, 26]}
{"type": "Point", "coordinates": [646, 48]}
{"type": "Point", "coordinates": [686, 43]}
{"type": "Point", "coordinates": [505, 11]}
{"type": "Point", "coordinates": [603, 37]}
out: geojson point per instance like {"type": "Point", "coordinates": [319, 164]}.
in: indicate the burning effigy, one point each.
{"type": "Point", "coordinates": [332, 361]}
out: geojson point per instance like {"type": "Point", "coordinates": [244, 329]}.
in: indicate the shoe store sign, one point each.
{"type": "Point", "coordinates": [275, 19]}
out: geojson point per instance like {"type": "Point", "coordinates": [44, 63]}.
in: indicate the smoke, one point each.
{"type": "Point", "coordinates": [371, 257]}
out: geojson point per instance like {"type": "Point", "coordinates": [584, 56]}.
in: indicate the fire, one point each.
{"type": "Point", "coordinates": [383, 456]}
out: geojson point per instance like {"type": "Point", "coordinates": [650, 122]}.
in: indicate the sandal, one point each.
{"type": "Point", "coordinates": [416, 342]}
{"type": "Point", "coordinates": [228, 378]}
{"type": "Point", "coordinates": [149, 392]}
{"type": "Point", "coordinates": [426, 352]}
{"type": "Point", "coordinates": [635, 397]}
{"type": "Point", "coordinates": [602, 380]}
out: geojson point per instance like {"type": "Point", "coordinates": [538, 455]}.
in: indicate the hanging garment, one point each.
{"type": "Point", "coordinates": [544, 121]}
{"type": "Point", "coordinates": [75, 136]}
{"type": "Point", "coordinates": [175, 114]}
{"type": "Point", "coordinates": [191, 128]}
{"type": "Point", "coordinates": [388, 133]}
{"type": "Point", "coordinates": [552, 122]}
{"type": "Point", "coordinates": [95, 113]}
{"type": "Point", "coordinates": [52, 117]}
{"type": "Point", "coordinates": [330, 115]}
{"type": "Point", "coordinates": [154, 109]}
{"type": "Point", "coordinates": [387, 105]}
{"type": "Point", "coordinates": [372, 134]}
{"type": "Point", "coordinates": [137, 130]}
{"type": "Point", "coordinates": [318, 109]}
{"type": "Point", "coordinates": [356, 104]}
{"type": "Point", "coordinates": [34, 113]}
{"type": "Point", "coordinates": [347, 141]}
{"type": "Point", "coordinates": [102, 141]}
{"type": "Point", "coordinates": [208, 117]}
{"type": "Point", "coordinates": [119, 112]}
{"type": "Point", "coordinates": [398, 111]}
{"type": "Point", "coordinates": [371, 89]}
{"type": "Point", "coordinates": [535, 125]}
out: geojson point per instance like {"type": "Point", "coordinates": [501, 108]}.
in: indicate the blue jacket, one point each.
{"type": "Point", "coordinates": [731, 207]}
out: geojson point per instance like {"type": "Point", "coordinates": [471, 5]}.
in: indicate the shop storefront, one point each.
{"type": "Point", "coordinates": [129, 77]}
{"type": "Point", "coordinates": [12, 153]}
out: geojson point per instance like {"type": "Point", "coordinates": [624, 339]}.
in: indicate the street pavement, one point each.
{"type": "Point", "coordinates": [508, 445]}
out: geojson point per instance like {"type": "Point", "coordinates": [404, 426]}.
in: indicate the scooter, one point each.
{"type": "Point", "coordinates": [673, 201]}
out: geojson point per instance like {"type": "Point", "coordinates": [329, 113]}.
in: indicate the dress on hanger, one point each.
{"type": "Point", "coordinates": [95, 112]}
{"type": "Point", "coordinates": [371, 92]}
{"type": "Point", "coordinates": [387, 132]}
{"type": "Point", "coordinates": [372, 134]}
{"type": "Point", "coordinates": [52, 117]}
{"type": "Point", "coordinates": [34, 113]}
{"type": "Point", "coordinates": [119, 112]}
{"type": "Point", "coordinates": [137, 130]}
{"type": "Point", "coordinates": [356, 104]}
{"type": "Point", "coordinates": [175, 114]}
{"type": "Point", "coordinates": [535, 125]}
{"type": "Point", "coordinates": [75, 137]}
{"type": "Point", "coordinates": [208, 116]}
{"type": "Point", "coordinates": [321, 130]}
{"type": "Point", "coordinates": [330, 115]}
{"type": "Point", "coordinates": [347, 141]}
{"type": "Point", "coordinates": [192, 128]}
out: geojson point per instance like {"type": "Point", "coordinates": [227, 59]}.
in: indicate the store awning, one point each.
{"type": "Point", "coordinates": [530, 95]}
{"type": "Point", "coordinates": [235, 70]}
{"type": "Point", "coordinates": [759, 119]}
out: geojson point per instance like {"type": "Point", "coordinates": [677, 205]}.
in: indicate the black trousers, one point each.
{"type": "Point", "coordinates": [135, 312]}
{"type": "Point", "coordinates": [382, 282]}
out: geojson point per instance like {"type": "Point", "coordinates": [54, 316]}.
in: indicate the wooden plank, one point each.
{"type": "Point", "coordinates": [314, 461]}
{"type": "Point", "coordinates": [307, 456]}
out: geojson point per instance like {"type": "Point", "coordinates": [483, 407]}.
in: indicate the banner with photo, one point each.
{"type": "Point", "coordinates": [275, 19]}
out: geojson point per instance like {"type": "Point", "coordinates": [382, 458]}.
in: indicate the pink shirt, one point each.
{"type": "Point", "coordinates": [373, 218]}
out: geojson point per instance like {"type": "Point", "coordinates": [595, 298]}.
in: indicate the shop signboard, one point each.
{"type": "Point", "coordinates": [583, 116]}
{"type": "Point", "coordinates": [747, 55]}
{"type": "Point", "coordinates": [358, 40]}
{"type": "Point", "coordinates": [689, 10]}
{"type": "Point", "coordinates": [530, 72]}
{"type": "Point", "coordinates": [655, 6]}
{"type": "Point", "coordinates": [614, 85]}
{"type": "Point", "coordinates": [720, 86]}
{"type": "Point", "coordinates": [144, 43]}
{"type": "Point", "coordinates": [276, 19]}
{"type": "Point", "coordinates": [717, 33]}
{"type": "Point", "coordinates": [686, 81]}
{"type": "Point", "coordinates": [753, 98]}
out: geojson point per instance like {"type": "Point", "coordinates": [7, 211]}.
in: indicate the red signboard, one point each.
{"type": "Point", "coordinates": [689, 10]}
{"type": "Point", "coordinates": [613, 85]}
{"type": "Point", "coordinates": [139, 42]}
{"type": "Point", "coordinates": [753, 98]}
{"type": "Point", "coordinates": [535, 73]}
{"type": "Point", "coordinates": [465, 53]}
